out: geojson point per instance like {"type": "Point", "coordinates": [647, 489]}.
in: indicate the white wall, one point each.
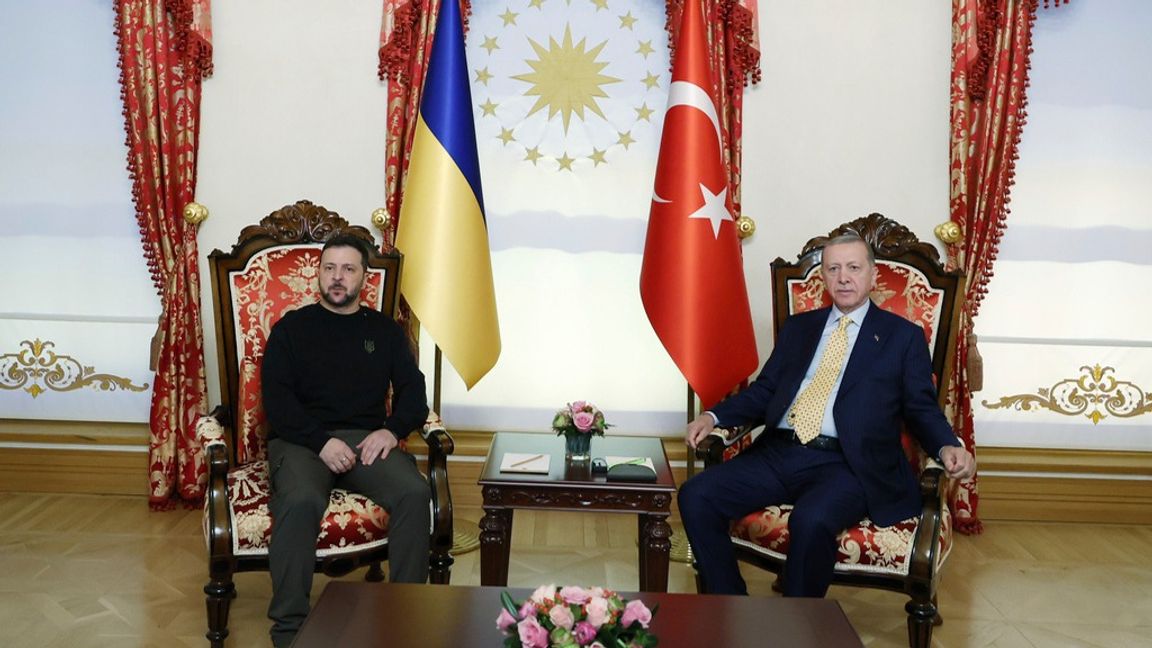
{"type": "Point", "coordinates": [851, 117]}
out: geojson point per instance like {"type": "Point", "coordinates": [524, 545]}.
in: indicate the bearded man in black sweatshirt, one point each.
{"type": "Point", "coordinates": [326, 375]}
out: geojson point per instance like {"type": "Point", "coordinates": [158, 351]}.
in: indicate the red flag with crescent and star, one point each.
{"type": "Point", "coordinates": [692, 277]}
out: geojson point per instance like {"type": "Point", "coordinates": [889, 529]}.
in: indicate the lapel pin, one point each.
{"type": "Point", "coordinates": [876, 337]}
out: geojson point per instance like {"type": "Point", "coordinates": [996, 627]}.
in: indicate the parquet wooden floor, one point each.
{"type": "Point", "coordinates": [103, 571]}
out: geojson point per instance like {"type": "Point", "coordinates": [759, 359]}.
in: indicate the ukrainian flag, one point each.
{"type": "Point", "coordinates": [447, 276]}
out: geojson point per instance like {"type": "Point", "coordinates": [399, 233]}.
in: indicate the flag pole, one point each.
{"type": "Point", "coordinates": [436, 369]}
{"type": "Point", "coordinates": [691, 416]}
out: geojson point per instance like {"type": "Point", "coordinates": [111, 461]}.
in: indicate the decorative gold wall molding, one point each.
{"type": "Point", "coordinates": [46, 370]}
{"type": "Point", "coordinates": [1096, 393]}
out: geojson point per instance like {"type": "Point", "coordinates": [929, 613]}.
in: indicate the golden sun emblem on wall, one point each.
{"type": "Point", "coordinates": [567, 85]}
{"type": "Point", "coordinates": [566, 78]}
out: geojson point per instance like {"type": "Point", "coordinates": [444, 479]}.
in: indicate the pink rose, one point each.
{"type": "Point", "coordinates": [543, 594]}
{"type": "Point", "coordinates": [584, 632]}
{"type": "Point", "coordinates": [532, 634]}
{"type": "Point", "coordinates": [583, 421]}
{"type": "Point", "coordinates": [561, 617]}
{"type": "Point", "coordinates": [597, 610]}
{"type": "Point", "coordinates": [575, 595]}
{"type": "Point", "coordinates": [636, 611]}
{"type": "Point", "coordinates": [527, 609]}
{"type": "Point", "coordinates": [578, 406]}
{"type": "Point", "coordinates": [505, 621]}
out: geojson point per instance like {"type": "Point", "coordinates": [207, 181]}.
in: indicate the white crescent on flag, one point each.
{"type": "Point", "coordinates": [684, 93]}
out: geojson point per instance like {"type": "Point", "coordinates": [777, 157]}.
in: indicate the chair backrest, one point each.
{"type": "Point", "coordinates": [273, 269]}
{"type": "Point", "coordinates": [911, 282]}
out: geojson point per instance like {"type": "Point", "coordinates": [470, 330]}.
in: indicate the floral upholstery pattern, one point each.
{"type": "Point", "coordinates": [865, 548]}
{"type": "Point", "coordinates": [274, 282]}
{"type": "Point", "coordinates": [900, 289]}
{"type": "Point", "coordinates": [351, 523]}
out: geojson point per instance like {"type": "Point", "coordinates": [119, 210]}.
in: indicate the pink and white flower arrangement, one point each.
{"type": "Point", "coordinates": [571, 617]}
{"type": "Point", "coordinates": [580, 417]}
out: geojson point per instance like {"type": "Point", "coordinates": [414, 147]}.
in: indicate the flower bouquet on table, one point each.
{"type": "Point", "coordinates": [579, 417]}
{"type": "Point", "coordinates": [571, 617]}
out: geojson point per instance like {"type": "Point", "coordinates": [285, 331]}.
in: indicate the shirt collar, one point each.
{"type": "Point", "coordinates": [857, 316]}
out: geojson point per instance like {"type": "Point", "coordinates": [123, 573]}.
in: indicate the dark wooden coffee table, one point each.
{"type": "Point", "coordinates": [574, 488]}
{"type": "Point", "coordinates": [400, 615]}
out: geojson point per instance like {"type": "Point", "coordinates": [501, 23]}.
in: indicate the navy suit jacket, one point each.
{"type": "Point", "coordinates": [887, 381]}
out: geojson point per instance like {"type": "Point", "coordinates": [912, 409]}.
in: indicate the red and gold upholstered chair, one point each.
{"type": "Point", "coordinates": [271, 270]}
{"type": "Point", "coordinates": [905, 557]}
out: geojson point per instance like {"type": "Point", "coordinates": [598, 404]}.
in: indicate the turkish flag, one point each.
{"type": "Point", "coordinates": [692, 278]}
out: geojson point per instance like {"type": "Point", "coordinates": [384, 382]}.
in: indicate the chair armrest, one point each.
{"type": "Point", "coordinates": [211, 432]}
{"type": "Point", "coordinates": [926, 545]}
{"type": "Point", "coordinates": [440, 445]}
{"type": "Point", "coordinates": [711, 448]}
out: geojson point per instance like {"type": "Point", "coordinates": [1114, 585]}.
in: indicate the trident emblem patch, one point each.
{"type": "Point", "coordinates": [369, 346]}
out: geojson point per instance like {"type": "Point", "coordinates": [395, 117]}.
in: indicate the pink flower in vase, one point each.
{"type": "Point", "coordinates": [636, 611]}
{"type": "Point", "coordinates": [505, 621]}
{"type": "Point", "coordinates": [532, 634]}
{"type": "Point", "coordinates": [578, 406]}
{"type": "Point", "coordinates": [561, 617]}
{"type": "Point", "coordinates": [583, 421]}
{"type": "Point", "coordinates": [584, 632]}
{"type": "Point", "coordinates": [597, 610]}
{"type": "Point", "coordinates": [575, 595]}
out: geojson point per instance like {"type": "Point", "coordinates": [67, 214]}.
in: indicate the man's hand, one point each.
{"type": "Point", "coordinates": [376, 446]}
{"type": "Point", "coordinates": [958, 462]}
{"type": "Point", "coordinates": [701, 427]}
{"type": "Point", "coordinates": [337, 456]}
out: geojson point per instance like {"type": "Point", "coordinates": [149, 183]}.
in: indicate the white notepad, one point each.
{"type": "Point", "coordinates": [525, 462]}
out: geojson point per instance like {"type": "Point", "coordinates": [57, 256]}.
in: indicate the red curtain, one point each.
{"type": "Point", "coordinates": [992, 42]}
{"type": "Point", "coordinates": [406, 35]}
{"type": "Point", "coordinates": [165, 52]}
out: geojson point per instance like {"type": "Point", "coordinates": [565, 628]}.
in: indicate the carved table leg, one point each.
{"type": "Point", "coordinates": [495, 545]}
{"type": "Point", "coordinates": [655, 546]}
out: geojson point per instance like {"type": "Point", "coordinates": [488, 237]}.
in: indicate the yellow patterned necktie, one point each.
{"type": "Point", "coordinates": [808, 411]}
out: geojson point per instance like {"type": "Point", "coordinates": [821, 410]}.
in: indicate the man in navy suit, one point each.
{"type": "Point", "coordinates": [856, 466]}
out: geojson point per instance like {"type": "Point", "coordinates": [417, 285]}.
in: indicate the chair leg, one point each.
{"type": "Point", "coordinates": [921, 615]}
{"type": "Point", "coordinates": [701, 586]}
{"type": "Point", "coordinates": [440, 567]}
{"type": "Point", "coordinates": [220, 591]}
{"type": "Point", "coordinates": [375, 572]}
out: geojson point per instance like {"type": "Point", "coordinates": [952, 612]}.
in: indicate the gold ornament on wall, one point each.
{"type": "Point", "coordinates": [195, 213]}
{"type": "Point", "coordinates": [380, 219]}
{"type": "Point", "coordinates": [745, 227]}
{"type": "Point", "coordinates": [37, 368]}
{"type": "Point", "coordinates": [1096, 394]}
{"type": "Point", "coordinates": [949, 232]}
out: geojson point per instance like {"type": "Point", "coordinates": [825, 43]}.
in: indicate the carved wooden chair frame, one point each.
{"type": "Point", "coordinates": [299, 225]}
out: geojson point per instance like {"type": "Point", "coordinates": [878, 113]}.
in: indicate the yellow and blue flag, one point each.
{"type": "Point", "coordinates": [443, 234]}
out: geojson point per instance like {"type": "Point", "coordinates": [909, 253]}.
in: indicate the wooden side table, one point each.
{"type": "Point", "coordinates": [574, 488]}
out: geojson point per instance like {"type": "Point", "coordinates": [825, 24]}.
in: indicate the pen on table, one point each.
{"type": "Point", "coordinates": [527, 461]}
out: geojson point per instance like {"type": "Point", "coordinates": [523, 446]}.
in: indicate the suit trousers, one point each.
{"type": "Point", "coordinates": [826, 495]}
{"type": "Point", "coordinates": [301, 486]}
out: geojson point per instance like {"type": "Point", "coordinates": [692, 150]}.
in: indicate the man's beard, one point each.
{"type": "Point", "coordinates": [350, 296]}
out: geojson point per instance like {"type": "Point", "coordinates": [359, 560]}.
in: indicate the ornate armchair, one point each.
{"type": "Point", "coordinates": [271, 270]}
{"type": "Point", "coordinates": [906, 557]}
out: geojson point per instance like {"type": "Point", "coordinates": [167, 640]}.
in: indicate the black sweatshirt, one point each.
{"type": "Point", "coordinates": [324, 371]}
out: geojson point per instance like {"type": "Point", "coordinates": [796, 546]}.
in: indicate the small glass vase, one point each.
{"type": "Point", "coordinates": [577, 447]}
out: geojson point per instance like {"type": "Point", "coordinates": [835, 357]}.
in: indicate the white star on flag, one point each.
{"type": "Point", "coordinates": [714, 208]}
